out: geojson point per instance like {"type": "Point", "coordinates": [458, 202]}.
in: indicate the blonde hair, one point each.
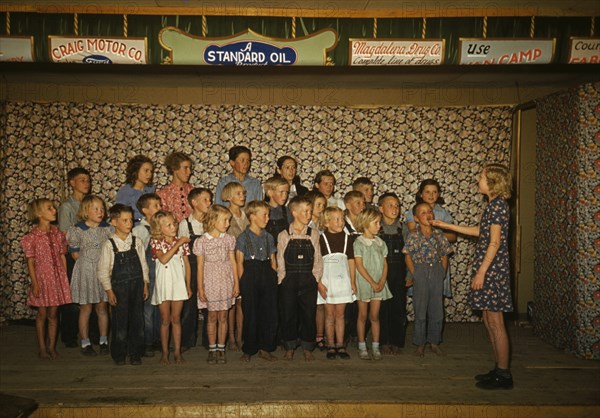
{"type": "Point", "coordinates": [155, 231]}
{"type": "Point", "coordinates": [326, 215]}
{"type": "Point", "coordinates": [254, 206]}
{"type": "Point", "coordinates": [499, 180]}
{"type": "Point", "coordinates": [213, 214]}
{"type": "Point", "coordinates": [274, 182]}
{"type": "Point", "coordinates": [229, 190]}
{"type": "Point", "coordinates": [34, 207]}
{"type": "Point", "coordinates": [84, 207]}
{"type": "Point", "coordinates": [364, 218]}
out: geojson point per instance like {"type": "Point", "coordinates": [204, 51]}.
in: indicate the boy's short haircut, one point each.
{"type": "Point", "coordinates": [85, 205]}
{"type": "Point", "coordinates": [117, 209]}
{"type": "Point", "coordinates": [323, 173]}
{"type": "Point", "coordinates": [365, 218]}
{"type": "Point", "coordinates": [416, 206]}
{"type": "Point", "coordinates": [254, 207]}
{"type": "Point", "coordinates": [353, 195]}
{"type": "Point", "coordinates": [362, 181]}
{"type": "Point", "coordinates": [197, 191]}
{"type": "Point", "coordinates": [74, 172]}
{"type": "Point", "coordinates": [387, 195]}
{"type": "Point", "coordinates": [274, 182]}
{"type": "Point", "coordinates": [174, 160]}
{"type": "Point", "coordinates": [297, 201]}
{"type": "Point", "coordinates": [235, 151]}
{"type": "Point", "coordinates": [314, 195]}
{"type": "Point", "coordinates": [229, 189]}
{"type": "Point", "coordinates": [34, 207]}
{"type": "Point", "coordinates": [145, 199]}
{"type": "Point", "coordinates": [326, 215]}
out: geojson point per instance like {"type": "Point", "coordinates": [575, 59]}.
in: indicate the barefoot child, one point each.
{"type": "Point", "coordinates": [337, 287]}
{"type": "Point", "coordinates": [490, 288]}
{"type": "Point", "coordinates": [217, 278]}
{"type": "Point", "coordinates": [172, 280]}
{"type": "Point", "coordinates": [255, 256]}
{"type": "Point", "coordinates": [235, 195]}
{"type": "Point", "coordinates": [299, 269]}
{"type": "Point", "coordinates": [370, 254]}
{"type": "Point", "coordinates": [85, 242]}
{"type": "Point", "coordinates": [123, 272]}
{"type": "Point", "coordinates": [427, 252]}
{"type": "Point", "coordinates": [200, 199]}
{"type": "Point", "coordinates": [45, 248]}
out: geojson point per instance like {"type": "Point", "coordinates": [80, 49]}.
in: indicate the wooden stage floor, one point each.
{"type": "Point", "coordinates": [548, 382]}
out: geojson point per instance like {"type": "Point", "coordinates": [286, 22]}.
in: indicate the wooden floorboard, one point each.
{"type": "Point", "coordinates": [548, 382]}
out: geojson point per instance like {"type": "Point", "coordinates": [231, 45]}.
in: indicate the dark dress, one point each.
{"type": "Point", "coordinates": [495, 294]}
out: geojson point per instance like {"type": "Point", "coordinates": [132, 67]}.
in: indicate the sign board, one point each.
{"type": "Point", "coordinates": [584, 51]}
{"type": "Point", "coordinates": [396, 51]}
{"type": "Point", "coordinates": [506, 51]}
{"type": "Point", "coordinates": [16, 49]}
{"type": "Point", "coordinates": [97, 50]}
{"type": "Point", "coordinates": [247, 48]}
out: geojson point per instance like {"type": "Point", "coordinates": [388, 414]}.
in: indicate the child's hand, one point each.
{"type": "Point", "coordinates": [189, 292]}
{"type": "Point", "coordinates": [439, 224]}
{"type": "Point", "coordinates": [112, 298]}
{"type": "Point", "coordinates": [236, 290]}
{"type": "Point", "coordinates": [35, 289]}
{"type": "Point", "coordinates": [353, 289]}
{"type": "Point", "coordinates": [202, 295]}
{"type": "Point", "coordinates": [409, 283]}
{"type": "Point", "coordinates": [478, 280]}
{"type": "Point", "coordinates": [183, 240]}
{"type": "Point", "coordinates": [322, 290]}
{"type": "Point", "coordinates": [146, 291]}
{"type": "Point", "coordinates": [375, 286]}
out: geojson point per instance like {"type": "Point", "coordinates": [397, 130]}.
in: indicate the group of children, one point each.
{"type": "Point", "coordinates": [269, 264]}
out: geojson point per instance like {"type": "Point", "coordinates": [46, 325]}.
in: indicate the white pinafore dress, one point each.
{"type": "Point", "coordinates": [336, 276]}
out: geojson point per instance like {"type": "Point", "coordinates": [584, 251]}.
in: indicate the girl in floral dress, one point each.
{"type": "Point", "coordinates": [45, 248]}
{"type": "Point", "coordinates": [490, 287]}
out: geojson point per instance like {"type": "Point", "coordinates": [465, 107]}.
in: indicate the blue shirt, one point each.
{"type": "Point", "coordinates": [424, 249]}
{"type": "Point", "coordinates": [129, 196]}
{"type": "Point", "coordinates": [261, 247]}
{"type": "Point", "coordinates": [254, 190]}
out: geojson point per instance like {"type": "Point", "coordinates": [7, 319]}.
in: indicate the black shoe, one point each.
{"type": "Point", "coordinates": [331, 353]}
{"type": "Point", "coordinates": [135, 361]}
{"type": "Point", "coordinates": [88, 351]}
{"type": "Point", "coordinates": [120, 362]}
{"type": "Point", "coordinates": [485, 376]}
{"type": "Point", "coordinates": [342, 353]}
{"type": "Point", "coordinates": [495, 382]}
{"type": "Point", "coordinates": [104, 349]}
{"type": "Point", "coordinates": [149, 351]}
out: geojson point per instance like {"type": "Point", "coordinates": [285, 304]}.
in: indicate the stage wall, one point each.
{"type": "Point", "coordinates": [395, 146]}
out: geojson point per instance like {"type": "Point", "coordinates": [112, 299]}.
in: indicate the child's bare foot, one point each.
{"type": "Point", "coordinates": [387, 349]}
{"type": "Point", "coordinates": [308, 356]}
{"type": "Point", "coordinates": [54, 355]}
{"type": "Point", "coordinates": [396, 350]}
{"type": "Point", "coordinates": [164, 359]}
{"type": "Point", "coordinates": [265, 355]}
{"type": "Point", "coordinates": [245, 358]}
{"type": "Point", "coordinates": [289, 355]}
{"type": "Point", "coordinates": [179, 359]}
{"type": "Point", "coordinates": [420, 352]}
{"type": "Point", "coordinates": [437, 350]}
{"type": "Point", "coordinates": [43, 355]}
{"type": "Point", "coordinates": [233, 346]}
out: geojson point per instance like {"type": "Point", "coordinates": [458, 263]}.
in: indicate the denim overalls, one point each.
{"type": "Point", "coordinates": [189, 312]}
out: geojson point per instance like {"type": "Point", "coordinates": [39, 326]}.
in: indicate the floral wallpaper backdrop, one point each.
{"type": "Point", "coordinates": [567, 234]}
{"type": "Point", "coordinates": [396, 147]}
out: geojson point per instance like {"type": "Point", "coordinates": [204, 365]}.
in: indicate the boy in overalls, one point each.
{"type": "Point", "coordinates": [123, 272]}
{"type": "Point", "coordinates": [299, 269]}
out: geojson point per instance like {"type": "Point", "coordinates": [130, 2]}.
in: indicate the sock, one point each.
{"type": "Point", "coordinates": [85, 342]}
{"type": "Point", "coordinates": [220, 347]}
{"type": "Point", "coordinates": [212, 347]}
{"type": "Point", "coordinates": [505, 373]}
{"type": "Point", "coordinates": [104, 340]}
{"type": "Point", "coordinates": [362, 345]}
{"type": "Point", "coordinates": [375, 346]}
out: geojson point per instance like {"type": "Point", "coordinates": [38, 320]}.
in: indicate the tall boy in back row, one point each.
{"type": "Point", "coordinates": [240, 158]}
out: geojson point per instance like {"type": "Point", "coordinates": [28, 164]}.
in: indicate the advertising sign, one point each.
{"type": "Point", "coordinates": [247, 48]}
{"type": "Point", "coordinates": [396, 51]}
{"type": "Point", "coordinates": [506, 51]}
{"type": "Point", "coordinates": [97, 50]}
{"type": "Point", "coordinates": [584, 51]}
{"type": "Point", "coordinates": [16, 49]}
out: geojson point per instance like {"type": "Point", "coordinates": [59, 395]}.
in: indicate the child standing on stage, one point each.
{"type": "Point", "coordinates": [148, 205]}
{"type": "Point", "coordinates": [45, 248]}
{"type": "Point", "coordinates": [139, 173]}
{"type": "Point", "coordinates": [255, 256]}
{"type": "Point", "coordinates": [85, 243]}
{"type": "Point", "coordinates": [392, 315]}
{"type": "Point", "coordinates": [337, 287]}
{"type": "Point", "coordinates": [200, 199]}
{"type": "Point", "coordinates": [123, 272]}
{"type": "Point", "coordinates": [217, 278]}
{"type": "Point", "coordinates": [370, 254]}
{"type": "Point", "coordinates": [319, 204]}
{"type": "Point", "coordinates": [287, 168]}
{"type": "Point", "coordinates": [490, 288]}
{"type": "Point", "coordinates": [299, 269]}
{"type": "Point", "coordinates": [325, 183]}
{"type": "Point", "coordinates": [235, 195]}
{"type": "Point", "coordinates": [427, 252]}
{"type": "Point", "coordinates": [172, 279]}
{"type": "Point", "coordinates": [240, 158]}
{"type": "Point", "coordinates": [367, 188]}
{"type": "Point", "coordinates": [174, 196]}
{"type": "Point", "coordinates": [355, 204]}
{"type": "Point", "coordinates": [277, 190]}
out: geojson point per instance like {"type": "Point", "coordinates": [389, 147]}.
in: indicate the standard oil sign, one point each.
{"type": "Point", "coordinates": [506, 51]}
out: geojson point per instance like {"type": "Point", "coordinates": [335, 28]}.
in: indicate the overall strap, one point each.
{"type": "Point", "coordinates": [345, 242]}
{"type": "Point", "coordinates": [114, 245]}
{"type": "Point", "coordinates": [327, 243]}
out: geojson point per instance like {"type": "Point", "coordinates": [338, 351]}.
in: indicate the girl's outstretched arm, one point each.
{"type": "Point", "coordinates": [488, 258]}
{"type": "Point", "coordinates": [164, 258]}
{"type": "Point", "coordinates": [461, 229]}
